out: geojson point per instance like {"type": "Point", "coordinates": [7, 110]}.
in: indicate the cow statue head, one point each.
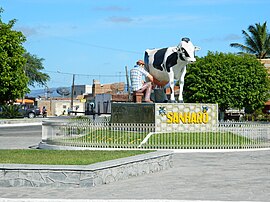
{"type": "Point", "coordinates": [187, 50]}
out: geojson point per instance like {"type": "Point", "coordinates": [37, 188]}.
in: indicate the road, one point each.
{"type": "Point", "coordinates": [20, 137]}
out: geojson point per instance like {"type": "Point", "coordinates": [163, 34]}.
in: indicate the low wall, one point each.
{"type": "Point", "coordinates": [63, 176]}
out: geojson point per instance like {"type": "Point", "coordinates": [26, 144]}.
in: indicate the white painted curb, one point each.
{"type": "Point", "coordinates": [109, 200]}
{"type": "Point", "coordinates": [20, 124]}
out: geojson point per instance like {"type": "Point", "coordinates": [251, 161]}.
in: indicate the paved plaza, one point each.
{"type": "Point", "coordinates": [198, 176]}
{"type": "Point", "coordinates": [207, 176]}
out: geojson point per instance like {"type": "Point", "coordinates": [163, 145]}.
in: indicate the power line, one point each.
{"type": "Point", "coordinates": [99, 46]}
{"type": "Point", "coordinates": [119, 74]}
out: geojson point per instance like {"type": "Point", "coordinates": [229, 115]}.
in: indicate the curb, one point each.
{"type": "Point", "coordinates": [19, 124]}
{"type": "Point", "coordinates": [109, 200]}
{"type": "Point", "coordinates": [83, 176]}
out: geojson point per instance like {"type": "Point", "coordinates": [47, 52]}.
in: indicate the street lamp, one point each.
{"type": "Point", "coordinates": [72, 92]}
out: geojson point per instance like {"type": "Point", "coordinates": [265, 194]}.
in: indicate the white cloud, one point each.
{"type": "Point", "coordinates": [27, 31]}
{"type": "Point", "coordinates": [111, 8]}
{"type": "Point", "coordinates": [152, 20]}
{"type": "Point", "coordinates": [229, 37]}
{"type": "Point", "coordinates": [232, 37]}
{"type": "Point", "coordinates": [45, 30]}
{"type": "Point", "coordinates": [222, 2]}
{"type": "Point", "coordinates": [119, 19]}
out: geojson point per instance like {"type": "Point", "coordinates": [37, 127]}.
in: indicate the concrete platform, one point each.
{"type": "Point", "coordinates": [133, 113]}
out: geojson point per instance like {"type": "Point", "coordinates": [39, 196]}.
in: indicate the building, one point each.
{"type": "Point", "coordinates": [82, 90]}
{"type": "Point", "coordinates": [102, 96]}
{"type": "Point", "coordinates": [61, 106]}
{"type": "Point", "coordinates": [84, 98]}
{"type": "Point", "coordinates": [113, 88]}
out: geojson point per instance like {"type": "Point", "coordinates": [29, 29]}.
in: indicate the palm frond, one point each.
{"type": "Point", "coordinates": [257, 41]}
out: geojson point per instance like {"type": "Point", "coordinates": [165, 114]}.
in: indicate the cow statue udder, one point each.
{"type": "Point", "coordinates": [168, 64]}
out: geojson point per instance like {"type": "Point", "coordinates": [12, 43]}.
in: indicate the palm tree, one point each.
{"type": "Point", "coordinates": [257, 42]}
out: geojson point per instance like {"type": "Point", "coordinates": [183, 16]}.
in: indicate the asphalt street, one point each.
{"type": "Point", "coordinates": [19, 136]}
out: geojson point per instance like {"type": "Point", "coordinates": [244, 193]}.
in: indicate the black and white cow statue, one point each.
{"type": "Point", "coordinates": [168, 64]}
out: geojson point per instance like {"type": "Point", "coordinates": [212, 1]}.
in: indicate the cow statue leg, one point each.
{"type": "Point", "coordinates": [181, 84]}
{"type": "Point", "coordinates": [171, 83]}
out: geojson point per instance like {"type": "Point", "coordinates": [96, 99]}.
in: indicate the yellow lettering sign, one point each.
{"type": "Point", "coordinates": [193, 117]}
{"type": "Point", "coordinates": [175, 117]}
{"type": "Point", "coordinates": [187, 117]}
{"type": "Point", "coordinates": [169, 116]}
{"type": "Point", "coordinates": [182, 118]}
{"type": "Point", "coordinates": [205, 118]}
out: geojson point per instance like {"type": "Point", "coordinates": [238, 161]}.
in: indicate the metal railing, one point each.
{"type": "Point", "coordinates": [103, 134]}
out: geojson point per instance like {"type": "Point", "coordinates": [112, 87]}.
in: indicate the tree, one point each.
{"type": "Point", "coordinates": [257, 42]}
{"type": "Point", "coordinates": [13, 80]}
{"type": "Point", "coordinates": [33, 69]}
{"type": "Point", "coordinates": [232, 81]}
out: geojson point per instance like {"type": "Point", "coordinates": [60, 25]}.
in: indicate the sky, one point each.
{"type": "Point", "coordinates": [98, 39]}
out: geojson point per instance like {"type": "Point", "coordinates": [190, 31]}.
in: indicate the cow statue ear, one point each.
{"type": "Point", "coordinates": [197, 48]}
{"type": "Point", "coordinates": [176, 49]}
{"type": "Point", "coordinates": [186, 39]}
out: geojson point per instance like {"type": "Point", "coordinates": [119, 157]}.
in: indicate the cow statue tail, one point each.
{"type": "Point", "coordinates": [146, 61]}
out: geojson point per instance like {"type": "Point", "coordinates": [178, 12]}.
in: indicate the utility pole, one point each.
{"type": "Point", "coordinates": [127, 78]}
{"type": "Point", "coordinates": [72, 93]}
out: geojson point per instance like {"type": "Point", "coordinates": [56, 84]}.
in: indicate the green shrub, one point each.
{"type": "Point", "coordinates": [10, 111]}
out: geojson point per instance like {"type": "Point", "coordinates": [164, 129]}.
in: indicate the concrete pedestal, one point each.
{"type": "Point", "coordinates": [133, 113]}
{"type": "Point", "coordinates": [167, 116]}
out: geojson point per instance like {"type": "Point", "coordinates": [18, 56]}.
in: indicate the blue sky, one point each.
{"type": "Point", "coordinates": [96, 39]}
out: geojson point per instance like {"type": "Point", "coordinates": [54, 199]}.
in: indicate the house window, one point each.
{"type": "Point", "coordinates": [64, 106]}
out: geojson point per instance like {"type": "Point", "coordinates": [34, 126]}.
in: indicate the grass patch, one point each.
{"type": "Point", "coordinates": [193, 140]}
{"type": "Point", "coordinates": [176, 140]}
{"type": "Point", "coordinates": [111, 137]}
{"type": "Point", "coordinates": [62, 157]}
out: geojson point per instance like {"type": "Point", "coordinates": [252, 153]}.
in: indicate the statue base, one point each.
{"type": "Point", "coordinates": [133, 112]}
{"type": "Point", "coordinates": [167, 117]}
